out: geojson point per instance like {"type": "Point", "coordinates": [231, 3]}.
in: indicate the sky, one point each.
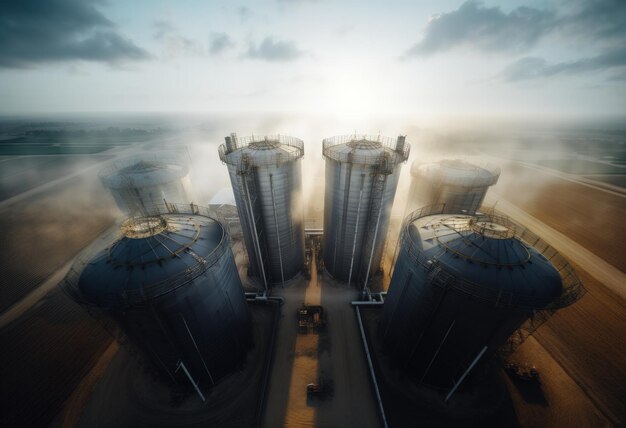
{"type": "Point", "coordinates": [406, 58]}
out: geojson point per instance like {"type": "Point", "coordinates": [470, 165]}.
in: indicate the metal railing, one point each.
{"type": "Point", "coordinates": [245, 144]}
{"type": "Point", "coordinates": [572, 287]}
{"type": "Point", "coordinates": [147, 291]}
{"type": "Point", "coordinates": [387, 144]}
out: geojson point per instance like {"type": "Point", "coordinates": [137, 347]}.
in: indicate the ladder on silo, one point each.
{"type": "Point", "coordinates": [374, 215]}
{"type": "Point", "coordinates": [247, 189]}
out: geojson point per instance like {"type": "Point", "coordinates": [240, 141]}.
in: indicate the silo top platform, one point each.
{"type": "Point", "coordinates": [261, 151]}
{"type": "Point", "coordinates": [489, 256]}
{"type": "Point", "coordinates": [458, 172]}
{"type": "Point", "coordinates": [147, 170]}
{"type": "Point", "coordinates": [153, 256]}
{"type": "Point", "coordinates": [365, 149]}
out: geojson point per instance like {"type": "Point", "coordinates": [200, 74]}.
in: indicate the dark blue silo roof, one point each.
{"type": "Point", "coordinates": [498, 261]}
{"type": "Point", "coordinates": [146, 264]}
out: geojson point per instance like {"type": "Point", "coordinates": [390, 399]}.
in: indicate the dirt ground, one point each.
{"type": "Point", "coordinates": [593, 218]}
{"type": "Point", "coordinates": [44, 355]}
{"type": "Point", "coordinates": [558, 402]}
{"type": "Point", "coordinates": [47, 350]}
{"type": "Point", "coordinates": [588, 339]}
{"type": "Point", "coordinates": [333, 356]}
{"type": "Point", "coordinates": [40, 234]}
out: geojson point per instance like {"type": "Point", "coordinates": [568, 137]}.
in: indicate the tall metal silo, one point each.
{"type": "Point", "coordinates": [169, 284]}
{"type": "Point", "coordinates": [460, 185]}
{"type": "Point", "coordinates": [463, 287]}
{"type": "Point", "coordinates": [362, 174]}
{"type": "Point", "coordinates": [140, 184]}
{"type": "Point", "coordinates": [266, 176]}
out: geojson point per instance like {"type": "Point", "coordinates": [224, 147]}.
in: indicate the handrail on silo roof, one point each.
{"type": "Point", "coordinates": [243, 143]}
{"type": "Point", "coordinates": [389, 145]}
{"type": "Point", "coordinates": [572, 287]}
{"type": "Point", "coordinates": [156, 289]}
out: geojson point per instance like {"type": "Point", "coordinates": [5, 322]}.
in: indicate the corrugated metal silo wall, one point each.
{"type": "Point", "coordinates": [457, 199]}
{"type": "Point", "coordinates": [348, 196]}
{"type": "Point", "coordinates": [205, 324]}
{"type": "Point", "coordinates": [279, 189]}
{"type": "Point", "coordinates": [275, 198]}
{"type": "Point", "coordinates": [434, 334]}
{"type": "Point", "coordinates": [146, 199]}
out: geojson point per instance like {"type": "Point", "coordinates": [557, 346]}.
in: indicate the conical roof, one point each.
{"type": "Point", "coordinates": [154, 256]}
{"type": "Point", "coordinates": [486, 254]}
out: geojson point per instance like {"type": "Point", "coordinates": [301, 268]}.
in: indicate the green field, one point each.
{"type": "Point", "coordinates": [23, 146]}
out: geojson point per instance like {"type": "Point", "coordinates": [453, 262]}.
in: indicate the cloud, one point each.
{"type": "Point", "coordinates": [489, 29]}
{"type": "Point", "coordinates": [484, 28]}
{"type": "Point", "coordinates": [174, 43]}
{"type": "Point", "coordinates": [297, 1]}
{"type": "Point", "coordinates": [34, 32]}
{"type": "Point", "coordinates": [270, 50]}
{"type": "Point", "coordinates": [532, 68]}
{"type": "Point", "coordinates": [599, 20]}
{"type": "Point", "coordinates": [219, 43]}
{"type": "Point", "coordinates": [244, 13]}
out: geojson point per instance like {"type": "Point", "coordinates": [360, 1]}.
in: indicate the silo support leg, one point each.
{"type": "Point", "coordinates": [471, 366]}
{"type": "Point", "coordinates": [195, 385]}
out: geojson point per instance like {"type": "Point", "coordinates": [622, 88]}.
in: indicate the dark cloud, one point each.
{"type": "Point", "coordinates": [484, 28]}
{"type": "Point", "coordinates": [532, 68]}
{"type": "Point", "coordinates": [271, 50]}
{"type": "Point", "coordinates": [34, 31]}
{"type": "Point", "coordinates": [492, 30]}
{"type": "Point", "coordinates": [174, 43]}
{"type": "Point", "coordinates": [219, 43]}
{"type": "Point", "coordinates": [598, 20]}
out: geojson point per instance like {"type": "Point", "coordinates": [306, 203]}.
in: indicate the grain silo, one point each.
{"type": "Point", "coordinates": [169, 284]}
{"type": "Point", "coordinates": [140, 184]}
{"type": "Point", "coordinates": [464, 286]}
{"type": "Point", "coordinates": [266, 176]}
{"type": "Point", "coordinates": [362, 174]}
{"type": "Point", "coordinates": [459, 184]}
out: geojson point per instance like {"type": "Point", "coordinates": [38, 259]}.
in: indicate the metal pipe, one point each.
{"type": "Point", "coordinates": [195, 385]}
{"type": "Point", "coordinates": [280, 252]}
{"type": "Point", "coordinates": [456, 385]}
{"type": "Point", "coordinates": [251, 297]}
{"type": "Point", "coordinates": [380, 210]}
{"type": "Point", "coordinates": [371, 368]}
{"type": "Point", "coordinates": [356, 229]}
{"type": "Point", "coordinates": [366, 303]}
